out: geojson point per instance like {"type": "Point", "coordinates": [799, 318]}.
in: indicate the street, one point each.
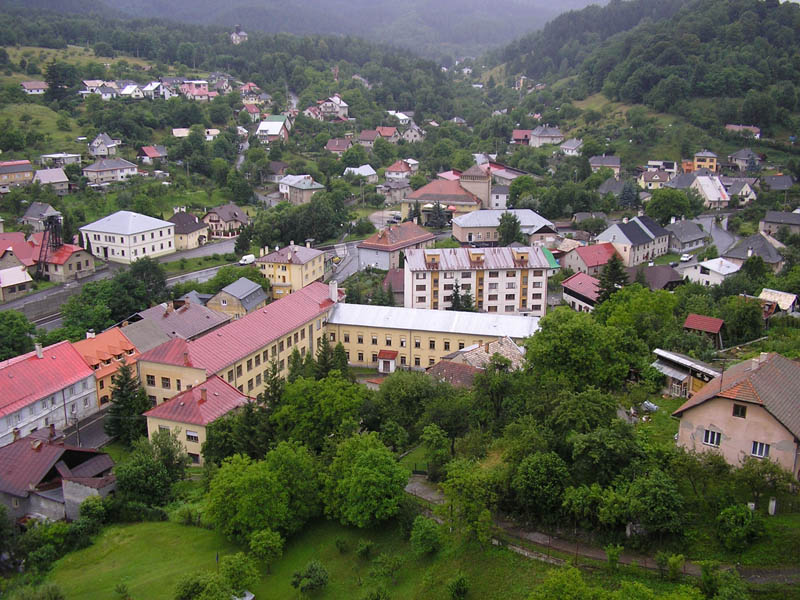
{"type": "Point", "coordinates": [721, 237]}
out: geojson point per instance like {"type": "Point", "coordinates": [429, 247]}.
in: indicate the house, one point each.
{"type": "Point", "coordinates": [545, 135]}
{"type": "Point", "coordinates": [580, 292]}
{"type": "Point", "coordinates": [399, 170]}
{"type": "Point", "coordinates": [238, 36]}
{"type": "Point", "coordinates": [521, 137]}
{"type": "Point", "coordinates": [367, 137]}
{"type": "Point", "coordinates": [240, 351]}
{"type": "Point", "coordinates": [338, 146]}
{"type": "Point", "coordinates": [107, 92]}
{"type": "Point", "coordinates": [226, 220]}
{"type": "Point", "coordinates": [450, 195]}
{"type": "Point", "coordinates": [182, 320]}
{"type": "Point", "coordinates": [153, 90]}
{"type": "Point", "coordinates": [298, 189]}
{"type": "Point", "coordinates": [313, 112]}
{"type": "Point", "coordinates": [451, 175]}
{"type": "Point", "coordinates": [670, 166]}
{"type": "Point", "coordinates": [572, 147]}
{"type": "Point", "coordinates": [197, 89]}
{"type": "Point", "coordinates": [190, 231]}
{"type": "Point", "coordinates": [750, 410]}
{"type": "Point", "coordinates": [777, 183]}
{"type": "Point", "coordinates": [605, 162]}
{"type": "Point", "coordinates": [394, 282]}
{"type": "Point", "coordinates": [413, 134]}
{"type": "Point", "coordinates": [37, 214]}
{"type": "Point", "coordinates": [273, 129]}
{"type": "Point", "coordinates": [774, 220]}
{"type": "Point", "coordinates": [786, 302]}
{"type": "Point", "coordinates": [459, 375]}
{"type": "Point", "coordinates": [383, 249]}
{"type": "Point", "coordinates": [67, 262]}
{"type": "Point", "coordinates": [126, 236]}
{"type": "Point", "coordinates": [653, 180]}
{"type": "Point", "coordinates": [656, 277]}
{"type": "Point", "coordinates": [15, 172]}
{"type": "Point", "coordinates": [144, 334]}
{"type": "Point", "coordinates": [745, 159]}
{"type": "Point", "coordinates": [394, 191]}
{"type": "Point", "coordinates": [402, 117]}
{"type": "Point", "coordinates": [105, 353]}
{"type": "Point", "coordinates": [253, 111]}
{"type": "Point", "coordinates": [192, 411]}
{"type": "Point", "coordinates": [15, 281]}
{"type": "Point", "coordinates": [108, 170]}
{"type": "Point", "coordinates": [132, 91]}
{"type": "Point", "coordinates": [745, 130]}
{"type": "Point", "coordinates": [710, 272]}
{"type": "Point", "coordinates": [149, 154]}
{"type": "Point", "coordinates": [277, 170]}
{"type": "Point", "coordinates": [588, 259]}
{"type": "Point", "coordinates": [613, 186]}
{"type": "Point", "coordinates": [59, 159]}
{"type": "Point", "coordinates": [685, 375]}
{"type": "Point", "coordinates": [365, 171]}
{"type": "Point", "coordinates": [390, 134]}
{"type": "Point", "coordinates": [480, 355]}
{"type": "Point", "coordinates": [639, 240]}
{"type": "Point", "coordinates": [501, 280]}
{"type": "Point", "coordinates": [480, 227]}
{"type": "Point", "coordinates": [34, 88]}
{"type": "Point", "coordinates": [45, 479]}
{"type": "Point", "coordinates": [503, 174]}
{"type": "Point", "coordinates": [705, 159]}
{"type": "Point", "coordinates": [333, 107]}
{"type": "Point", "coordinates": [740, 188]}
{"type": "Point", "coordinates": [291, 268]}
{"type": "Point", "coordinates": [499, 197]}
{"type": "Point", "coordinates": [238, 299]}
{"type": "Point", "coordinates": [103, 146]}
{"type": "Point", "coordinates": [478, 181]}
{"type": "Point", "coordinates": [759, 244]}
{"type": "Point", "coordinates": [182, 132]}
{"type": "Point", "coordinates": [49, 386]}
{"type": "Point", "coordinates": [56, 179]}
{"type": "Point", "coordinates": [685, 236]}
{"type": "Point", "coordinates": [708, 326]}
{"type": "Point", "coordinates": [580, 217]}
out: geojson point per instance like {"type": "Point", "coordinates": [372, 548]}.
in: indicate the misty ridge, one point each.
{"type": "Point", "coordinates": [440, 29]}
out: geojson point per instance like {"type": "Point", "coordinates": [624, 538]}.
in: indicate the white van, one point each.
{"type": "Point", "coordinates": [247, 259]}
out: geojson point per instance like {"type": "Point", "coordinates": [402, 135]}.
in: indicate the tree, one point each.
{"type": "Point", "coordinates": [667, 203]}
{"type": "Point", "coordinates": [629, 197]}
{"type": "Point", "coordinates": [656, 503]}
{"type": "Point", "coordinates": [425, 536]}
{"type": "Point", "coordinates": [295, 365]}
{"type": "Point", "coordinates": [538, 484]}
{"type": "Point", "coordinates": [15, 334]}
{"type": "Point", "coordinates": [313, 577]}
{"type": "Point", "coordinates": [239, 572]}
{"type": "Point", "coordinates": [434, 440]}
{"type": "Point", "coordinates": [455, 297]}
{"type": "Point", "coordinates": [468, 499]}
{"type": "Point", "coordinates": [340, 362]}
{"type": "Point", "coordinates": [438, 218]}
{"type": "Point", "coordinates": [612, 277]}
{"type": "Point", "coordinates": [509, 230]}
{"type": "Point", "coordinates": [296, 469]}
{"type": "Point", "coordinates": [128, 401]}
{"type": "Point", "coordinates": [364, 484]}
{"type": "Point", "coordinates": [417, 180]}
{"type": "Point", "coordinates": [60, 77]}
{"type": "Point", "coordinates": [403, 396]}
{"type": "Point", "coordinates": [152, 276]}
{"type": "Point", "coordinates": [267, 546]}
{"type": "Point", "coordinates": [760, 477]}
{"type": "Point", "coordinates": [738, 527]}
{"type": "Point", "coordinates": [142, 478]}
{"type": "Point", "coordinates": [744, 320]}
{"type": "Point", "coordinates": [165, 447]}
{"type": "Point", "coordinates": [324, 358]}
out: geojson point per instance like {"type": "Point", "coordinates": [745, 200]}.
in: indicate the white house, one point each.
{"type": "Point", "coordinates": [572, 147]}
{"type": "Point", "coordinates": [108, 170]}
{"type": "Point", "coordinates": [126, 236]}
{"type": "Point", "coordinates": [132, 91]}
{"type": "Point", "coordinates": [104, 146]}
{"type": "Point", "coordinates": [712, 191]}
{"type": "Point", "coordinates": [710, 272]}
{"type": "Point", "coordinates": [34, 88]}
{"type": "Point", "coordinates": [365, 171]}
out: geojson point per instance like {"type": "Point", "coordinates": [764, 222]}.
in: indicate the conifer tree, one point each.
{"type": "Point", "coordinates": [128, 401]}
{"type": "Point", "coordinates": [340, 360]}
{"type": "Point", "coordinates": [455, 299]}
{"type": "Point", "coordinates": [324, 358]}
{"type": "Point", "coordinates": [296, 368]}
{"type": "Point", "coordinates": [612, 277]}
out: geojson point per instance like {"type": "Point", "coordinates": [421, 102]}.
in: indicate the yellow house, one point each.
{"type": "Point", "coordinates": [190, 231]}
{"type": "Point", "coordinates": [238, 299]}
{"type": "Point", "coordinates": [240, 351]}
{"type": "Point", "coordinates": [705, 160]}
{"type": "Point", "coordinates": [104, 353]}
{"type": "Point", "coordinates": [291, 268]}
{"type": "Point", "coordinates": [194, 409]}
{"type": "Point", "coordinates": [387, 337]}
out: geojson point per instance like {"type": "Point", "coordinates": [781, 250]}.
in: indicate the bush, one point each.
{"type": "Point", "coordinates": [425, 538]}
{"type": "Point", "coordinates": [376, 594]}
{"type": "Point", "coordinates": [215, 256]}
{"type": "Point", "coordinates": [613, 552]}
{"type": "Point", "coordinates": [662, 559]}
{"type": "Point", "coordinates": [187, 515]}
{"type": "Point", "coordinates": [94, 508]}
{"type": "Point", "coordinates": [342, 545]}
{"type": "Point", "coordinates": [738, 527]}
{"type": "Point", "coordinates": [230, 257]}
{"type": "Point", "coordinates": [364, 548]}
{"type": "Point", "coordinates": [81, 531]}
{"type": "Point", "coordinates": [41, 559]}
{"type": "Point", "coordinates": [458, 587]}
{"type": "Point", "coordinates": [134, 512]}
{"type": "Point", "coordinates": [675, 566]}
{"type": "Point", "coordinates": [313, 577]}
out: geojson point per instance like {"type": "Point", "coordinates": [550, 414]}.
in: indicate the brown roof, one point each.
{"type": "Point", "coordinates": [295, 255]}
{"type": "Point", "coordinates": [230, 212]}
{"type": "Point", "coordinates": [187, 222]}
{"type": "Point", "coordinates": [200, 405]}
{"type": "Point", "coordinates": [456, 374]}
{"type": "Point", "coordinates": [368, 135]}
{"type": "Point", "coordinates": [658, 277]}
{"type": "Point", "coordinates": [771, 381]}
{"type": "Point", "coordinates": [399, 166]}
{"type": "Point", "coordinates": [475, 171]}
{"type": "Point", "coordinates": [338, 145]}
{"type": "Point", "coordinates": [187, 321]}
{"type": "Point", "coordinates": [395, 278]}
{"type": "Point", "coordinates": [445, 192]}
{"type": "Point", "coordinates": [479, 355]}
{"type": "Point", "coordinates": [397, 237]}
{"type": "Point", "coordinates": [703, 323]}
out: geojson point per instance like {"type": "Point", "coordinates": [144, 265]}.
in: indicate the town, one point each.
{"type": "Point", "coordinates": [336, 320]}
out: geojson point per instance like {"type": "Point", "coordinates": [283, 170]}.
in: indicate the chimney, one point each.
{"type": "Point", "coordinates": [333, 290]}
{"type": "Point", "coordinates": [486, 347]}
{"type": "Point", "coordinates": [749, 252]}
{"type": "Point", "coordinates": [90, 334]}
{"type": "Point", "coordinates": [203, 396]}
{"type": "Point", "coordinates": [277, 247]}
{"type": "Point", "coordinates": [672, 220]}
{"type": "Point", "coordinates": [289, 255]}
{"type": "Point", "coordinates": [38, 347]}
{"type": "Point", "coordinates": [308, 243]}
{"type": "Point", "coordinates": [176, 304]}
{"type": "Point", "coordinates": [16, 434]}
{"type": "Point", "coordinates": [52, 430]}
{"type": "Point", "coordinates": [763, 357]}
{"type": "Point", "coordinates": [625, 220]}
{"type": "Point", "coordinates": [186, 359]}
{"type": "Point", "coordinates": [291, 242]}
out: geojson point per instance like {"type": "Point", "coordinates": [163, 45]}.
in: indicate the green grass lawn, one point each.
{"type": "Point", "coordinates": [662, 427]}
{"type": "Point", "coordinates": [415, 457]}
{"type": "Point", "coordinates": [117, 451]}
{"type": "Point", "coordinates": [667, 258]}
{"type": "Point", "coordinates": [43, 119]}
{"type": "Point", "coordinates": [188, 265]}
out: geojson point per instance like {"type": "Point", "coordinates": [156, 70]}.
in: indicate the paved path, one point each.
{"type": "Point", "coordinates": [221, 247]}
{"type": "Point", "coordinates": [721, 237]}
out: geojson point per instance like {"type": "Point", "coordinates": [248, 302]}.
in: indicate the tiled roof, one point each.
{"type": "Point", "coordinates": [604, 161]}
{"type": "Point", "coordinates": [230, 212]}
{"type": "Point", "coordinates": [154, 151]}
{"type": "Point", "coordinates": [14, 275]}
{"type": "Point", "coordinates": [478, 355]}
{"type": "Point", "coordinates": [48, 176]}
{"type": "Point", "coordinates": [583, 284]}
{"type": "Point", "coordinates": [387, 354]}
{"type": "Point", "coordinates": [107, 346]}
{"type": "Point", "coordinates": [521, 134]}
{"type": "Point", "coordinates": [658, 277]}
{"type": "Point", "coordinates": [34, 85]}
{"type": "Point", "coordinates": [338, 145]}
{"type": "Point", "coordinates": [295, 255]}
{"type": "Point", "coordinates": [461, 259]}
{"type": "Point", "coordinates": [189, 406]}
{"type": "Point", "coordinates": [15, 166]}
{"type": "Point", "coordinates": [778, 182]}
{"type": "Point", "coordinates": [386, 131]}
{"type": "Point", "coordinates": [56, 257]}
{"type": "Point", "coordinates": [545, 131]}
{"type": "Point", "coordinates": [368, 135]}
{"type": "Point", "coordinates": [39, 210]}
{"type": "Point", "coordinates": [186, 223]}
{"type": "Point", "coordinates": [720, 265]}
{"type": "Point", "coordinates": [771, 381]}
{"type": "Point", "coordinates": [187, 321]}
{"type": "Point", "coordinates": [782, 218]}
{"type": "Point", "coordinates": [399, 166]}
{"type": "Point", "coordinates": [25, 379]}
{"type": "Point", "coordinates": [611, 186]}
{"type": "Point", "coordinates": [396, 279]}
{"type": "Point", "coordinates": [397, 237]}
{"type": "Point", "coordinates": [456, 374]}
{"type": "Point", "coordinates": [529, 221]}
{"type": "Point", "coordinates": [444, 191]}
{"type": "Point", "coordinates": [145, 334]}
{"type": "Point", "coordinates": [248, 292]}
{"type": "Point", "coordinates": [703, 323]}
{"type": "Point", "coordinates": [595, 255]}
{"type": "Point", "coordinates": [686, 231]}
{"type": "Point", "coordinates": [784, 300]}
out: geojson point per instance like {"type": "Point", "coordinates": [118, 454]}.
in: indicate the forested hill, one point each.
{"type": "Point", "coordinates": [566, 41]}
{"type": "Point", "coordinates": [433, 28]}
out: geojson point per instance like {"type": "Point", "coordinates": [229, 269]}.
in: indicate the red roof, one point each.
{"type": "Point", "coordinates": [151, 152]}
{"type": "Point", "coordinates": [399, 167]}
{"type": "Point", "coordinates": [224, 346]}
{"type": "Point", "coordinates": [521, 134]}
{"type": "Point", "coordinates": [397, 237]}
{"type": "Point", "coordinates": [25, 379]}
{"type": "Point", "coordinates": [454, 373]}
{"type": "Point", "coordinates": [252, 109]}
{"type": "Point", "coordinates": [396, 279]}
{"type": "Point", "coordinates": [387, 355]}
{"type": "Point", "coordinates": [703, 323]}
{"type": "Point", "coordinates": [59, 257]}
{"type": "Point", "coordinates": [338, 145]}
{"type": "Point", "coordinates": [386, 131]}
{"type": "Point", "coordinates": [189, 406]}
{"type": "Point", "coordinates": [22, 249]}
{"type": "Point", "coordinates": [595, 255]}
{"type": "Point", "coordinates": [14, 163]}
{"type": "Point", "coordinates": [368, 135]}
{"type": "Point", "coordinates": [583, 284]}
{"type": "Point", "coordinates": [106, 347]}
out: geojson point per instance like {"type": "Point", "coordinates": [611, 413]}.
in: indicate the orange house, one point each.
{"type": "Point", "coordinates": [104, 353]}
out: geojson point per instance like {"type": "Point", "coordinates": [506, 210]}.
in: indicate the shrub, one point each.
{"type": "Point", "coordinates": [458, 587]}
{"type": "Point", "coordinates": [738, 527]}
{"type": "Point", "coordinates": [675, 566]}
{"type": "Point", "coordinates": [341, 545]}
{"type": "Point", "coordinates": [613, 552]}
{"type": "Point", "coordinates": [215, 256]}
{"type": "Point", "coordinates": [376, 594]}
{"type": "Point", "coordinates": [230, 257]}
{"type": "Point", "coordinates": [364, 548]}
{"type": "Point", "coordinates": [425, 538]}
{"type": "Point", "coordinates": [41, 559]}
{"type": "Point", "coordinates": [95, 508]}
{"type": "Point", "coordinates": [662, 559]}
{"type": "Point", "coordinates": [313, 577]}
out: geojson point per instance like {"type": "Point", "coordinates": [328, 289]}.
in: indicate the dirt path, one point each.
{"type": "Point", "coordinates": [420, 487]}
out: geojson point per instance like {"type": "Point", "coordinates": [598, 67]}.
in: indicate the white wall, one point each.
{"type": "Point", "coordinates": [373, 258]}
{"type": "Point", "coordinates": [128, 248]}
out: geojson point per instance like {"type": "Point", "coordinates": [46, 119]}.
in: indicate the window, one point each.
{"type": "Point", "coordinates": [432, 344]}
{"type": "Point", "coordinates": [460, 345]}
{"type": "Point", "coordinates": [447, 345]}
{"type": "Point", "coordinates": [448, 286]}
{"type": "Point", "coordinates": [510, 297]}
{"type": "Point", "coordinates": [403, 359]}
{"type": "Point", "coordinates": [374, 357]}
{"type": "Point", "coordinates": [492, 286]}
{"type": "Point", "coordinates": [421, 288]}
{"type": "Point", "coordinates": [249, 384]}
{"type": "Point", "coordinates": [374, 340]}
{"type": "Point", "coordinates": [416, 361]}
{"type": "Point", "coordinates": [420, 298]}
{"type": "Point", "coordinates": [238, 370]}
{"type": "Point", "coordinates": [417, 343]}
{"type": "Point", "coordinates": [388, 340]}
{"type": "Point", "coordinates": [466, 286]}
{"type": "Point", "coordinates": [195, 458]}
{"type": "Point", "coordinates": [760, 450]}
{"type": "Point", "coordinates": [230, 375]}
{"type": "Point", "coordinates": [739, 410]}
{"type": "Point", "coordinates": [509, 309]}
{"type": "Point", "coordinates": [712, 438]}
{"type": "Point", "coordinates": [289, 342]}
{"type": "Point", "coordinates": [402, 342]}
{"type": "Point", "coordinates": [281, 365]}
{"type": "Point", "coordinates": [102, 385]}
{"type": "Point", "coordinates": [264, 356]}
{"type": "Point", "coordinates": [361, 357]}
{"type": "Point", "coordinates": [333, 337]}
{"type": "Point", "coordinates": [492, 297]}
{"type": "Point", "coordinates": [165, 383]}
{"type": "Point", "coordinates": [494, 273]}
{"type": "Point", "coordinates": [249, 364]}
{"type": "Point", "coordinates": [511, 285]}
{"type": "Point", "coordinates": [360, 338]}
{"type": "Point", "coordinates": [191, 436]}
{"type": "Point", "coordinates": [346, 338]}
{"type": "Point", "coordinates": [258, 360]}
{"type": "Point", "coordinates": [152, 400]}
{"type": "Point", "coordinates": [466, 275]}
{"type": "Point", "coordinates": [419, 275]}
{"type": "Point", "coordinates": [280, 346]}
{"type": "Point", "coordinates": [224, 302]}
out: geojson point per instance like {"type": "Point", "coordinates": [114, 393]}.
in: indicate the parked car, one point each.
{"type": "Point", "coordinates": [686, 257]}
{"type": "Point", "coordinates": [247, 259]}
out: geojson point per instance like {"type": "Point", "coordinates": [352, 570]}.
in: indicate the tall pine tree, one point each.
{"type": "Point", "coordinates": [128, 401]}
{"type": "Point", "coordinates": [612, 277]}
{"type": "Point", "coordinates": [324, 358]}
{"type": "Point", "coordinates": [455, 299]}
{"type": "Point", "coordinates": [340, 360]}
{"type": "Point", "coordinates": [296, 368]}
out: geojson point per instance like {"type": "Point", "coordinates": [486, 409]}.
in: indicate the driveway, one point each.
{"type": "Point", "coordinates": [721, 237]}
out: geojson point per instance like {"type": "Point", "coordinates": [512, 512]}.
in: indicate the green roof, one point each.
{"type": "Point", "coordinates": [550, 258]}
{"type": "Point", "coordinates": [275, 118]}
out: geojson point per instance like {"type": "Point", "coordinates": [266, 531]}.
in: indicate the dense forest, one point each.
{"type": "Point", "coordinates": [441, 29]}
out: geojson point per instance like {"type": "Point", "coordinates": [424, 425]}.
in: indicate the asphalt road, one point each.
{"type": "Point", "coordinates": [722, 238]}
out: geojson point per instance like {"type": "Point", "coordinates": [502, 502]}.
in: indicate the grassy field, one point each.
{"type": "Point", "coordinates": [38, 117]}
{"type": "Point", "coordinates": [177, 267]}
{"type": "Point", "coordinates": [75, 55]}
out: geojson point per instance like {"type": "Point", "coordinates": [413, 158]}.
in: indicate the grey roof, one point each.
{"type": "Point", "coordinates": [651, 226]}
{"type": "Point", "coordinates": [736, 188]}
{"type": "Point", "coordinates": [681, 182]}
{"type": "Point", "coordinates": [461, 259]}
{"type": "Point", "coordinates": [631, 231]}
{"type": "Point", "coordinates": [16, 167]}
{"type": "Point", "coordinates": [248, 292]}
{"type": "Point", "coordinates": [579, 217]}
{"type": "Point", "coordinates": [658, 277]}
{"type": "Point", "coordinates": [47, 176]}
{"type": "Point", "coordinates": [104, 138]}
{"type": "Point", "coordinates": [500, 189]}
{"type": "Point", "coordinates": [230, 212]}
{"type": "Point", "coordinates": [686, 231]}
{"type": "Point", "coordinates": [491, 325]}
{"type": "Point", "coordinates": [605, 161]}
{"type": "Point", "coordinates": [126, 222]}
{"type": "Point", "coordinates": [760, 247]}
{"type": "Point", "coordinates": [187, 322]}
{"type": "Point", "coordinates": [145, 335]}
{"type": "Point", "coordinates": [109, 164]}
{"type": "Point", "coordinates": [187, 222]}
{"type": "Point", "coordinates": [778, 182]}
{"type": "Point", "coordinates": [705, 154]}
{"type": "Point", "coordinates": [611, 186]}
{"type": "Point", "coordinates": [686, 361]}
{"type": "Point", "coordinates": [41, 210]}
{"type": "Point", "coordinates": [782, 218]}
{"type": "Point", "coordinates": [529, 221]}
{"type": "Point", "coordinates": [546, 131]}
{"type": "Point", "coordinates": [744, 154]}
{"type": "Point", "coordinates": [728, 180]}
{"type": "Point", "coordinates": [196, 297]}
{"type": "Point", "coordinates": [572, 144]}
{"type": "Point", "coordinates": [291, 254]}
